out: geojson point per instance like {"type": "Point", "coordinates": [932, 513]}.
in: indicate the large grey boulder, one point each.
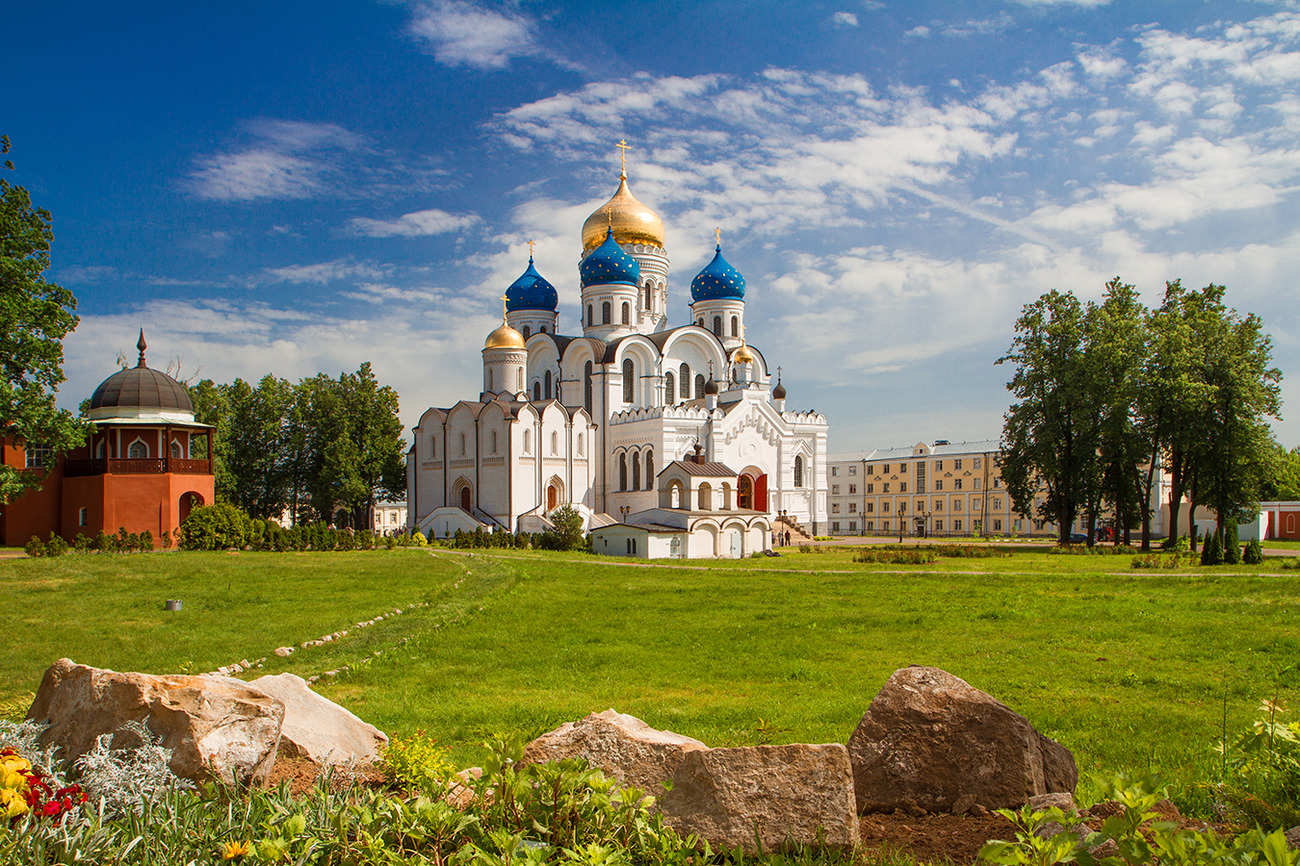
{"type": "Point", "coordinates": [216, 727]}
{"type": "Point", "coordinates": [623, 746]}
{"type": "Point", "coordinates": [931, 740]}
{"type": "Point", "coordinates": [768, 795]}
{"type": "Point", "coordinates": [318, 729]}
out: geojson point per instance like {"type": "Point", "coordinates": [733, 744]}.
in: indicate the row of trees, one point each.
{"type": "Point", "coordinates": [1108, 392]}
{"type": "Point", "coordinates": [310, 448]}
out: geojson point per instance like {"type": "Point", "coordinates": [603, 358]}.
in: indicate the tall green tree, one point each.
{"type": "Point", "coordinates": [253, 447]}
{"type": "Point", "coordinates": [1284, 483]}
{"type": "Point", "coordinates": [1116, 349]}
{"type": "Point", "coordinates": [1049, 437]}
{"type": "Point", "coordinates": [35, 316]}
{"type": "Point", "coordinates": [1237, 456]}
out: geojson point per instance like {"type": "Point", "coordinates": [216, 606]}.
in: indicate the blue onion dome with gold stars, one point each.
{"type": "Point", "coordinates": [531, 291]}
{"type": "Point", "coordinates": [718, 280]}
{"type": "Point", "coordinates": [607, 264]}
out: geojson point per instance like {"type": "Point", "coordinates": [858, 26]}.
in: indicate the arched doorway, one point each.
{"type": "Point", "coordinates": [188, 502]}
{"type": "Point", "coordinates": [754, 480]}
{"type": "Point", "coordinates": [552, 497]}
{"type": "Point", "coordinates": [745, 492]}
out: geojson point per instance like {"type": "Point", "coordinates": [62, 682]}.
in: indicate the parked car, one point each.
{"type": "Point", "coordinates": [1078, 538]}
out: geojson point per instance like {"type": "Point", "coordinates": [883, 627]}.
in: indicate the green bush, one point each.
{"type": "Point", "coordinates": [35, 547]}
{"type": "Point", "coordinates": [1212, 552]}
{"type": "Point", "coordinates": [215, 527]}
{"type": "Point", "coordinates": [1254, 553]}
{"type": "Point", "coordinates": [1232, 550]}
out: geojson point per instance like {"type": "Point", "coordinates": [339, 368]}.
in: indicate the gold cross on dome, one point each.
{"type": "Point", "coordinates": [530, 248]}
{"type": "Point", "coordinates": [717, 232]}
{"type": "Point", "coordinates": [623, 147]}
{"type": "Point", "coordinates": [504, 300]}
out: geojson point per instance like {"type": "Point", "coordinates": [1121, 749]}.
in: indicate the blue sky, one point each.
{"type": "Point", "coordinates": [295, 187]}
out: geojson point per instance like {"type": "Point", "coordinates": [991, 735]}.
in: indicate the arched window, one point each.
{"type": "Point", "coordinates": [528, 444]}
{"type": "Point", "coordinates": [650, 469]}
{"type": "Point", "coordinates": [725, 504]}
{"type": "Point", "coordinates": [604, 313]}
{"type": "Point", "coordinates": [629, 381]}
{"type": "Point", "coordinates": [591, 318]}
{"type": "Point", "coordinates": [433, 446]}
{"type": "Point", "coordinates": [670, 389]}
{"type": "Point", "coordinates": [586, 387]}
{"type": "Point", "coordinates": [491, 387]}
{"type": "Point", "coordinates": [700, 322]}
{"type": "Point", "coordinates": [137, 450]}
{"type": "Point", "coordinates": [636, 471]}
{"type": "Point", "coordinates": [580, 451]}
{"type": "Point", "coordinates": [622, 472]}
{"type": "Point", "coordinates": [537, 390]}
{"type": "Point", "coordinates": [699, 385]}
{"type": "Point", "coordinates": [798, 470]}
{"type": "Point", "coordinates": [647, 296]}
{"type": "Point", "coordinates": [542, 330]}
{"type": "Point", "coordinates": [101, 450]}
{"type": "Point", "coordinates": [528, 332]}
{"type": "Point", "coordinates": [735, 326]}
{"type": "Point", "coordinates": [717, 326]}
{"type": "Point", "coordinates": [519, 379]}
{"type": "Point", "coordinates": [176, 451]}
{"type": "Point", "coordinates": [627, 313]}
{"type": "Point", "coordinates": [675, 495]}
{"type": "Point", "coordinates": [492, 440]}
{"type": "Point", "coordinates": [706, 497]}
{"type": "Point", "coordinates": [547, 388]}
{"type": "Point", "coordinates": [462, 445]}
{"type": "Point", "coordinates": [555, 443]}
{"type": "Point", "coordinates": [686, 382]}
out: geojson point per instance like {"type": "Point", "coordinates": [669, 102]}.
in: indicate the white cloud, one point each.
{"type": "Point", "coordinates": [463, 33]}
{"type": "Point", "coordinates": [322, 272]}
{"type": "Point", "coordinates": [286, 160]}
{"type": "Point", "coordinates": [418, 224]}
{"type": "Point", "coordinates": [841, 20]}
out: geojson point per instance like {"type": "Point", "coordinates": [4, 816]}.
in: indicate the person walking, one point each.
{"type": "Point", "coordinates": [787, 538]}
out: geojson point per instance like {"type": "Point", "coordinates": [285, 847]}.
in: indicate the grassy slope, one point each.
{"type": "Point", "coordinates": [1129, 670]}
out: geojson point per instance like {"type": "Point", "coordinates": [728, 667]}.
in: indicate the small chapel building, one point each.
{"type": "Point", "coordinates": [589, 420]}
{"type": "Point", "coordinates": [144, 466]}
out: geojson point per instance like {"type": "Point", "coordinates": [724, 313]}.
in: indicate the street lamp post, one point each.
{"type": "Point", "coordinates": [902, 520]}
{"type": "Point", "coordinates": [624, 510]}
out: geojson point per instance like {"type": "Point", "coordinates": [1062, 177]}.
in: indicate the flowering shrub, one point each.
{"type": "Point", "coordinates": [24, 789]}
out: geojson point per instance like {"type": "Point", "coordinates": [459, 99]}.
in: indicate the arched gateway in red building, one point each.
{"type": "Point", "coordinates": [145, 466]}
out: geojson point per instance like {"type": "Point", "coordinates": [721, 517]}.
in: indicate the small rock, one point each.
{"type": "Point", "coordinates": [1293, 837]}
{"type": "Point", "coordinates": [963, 804]}
{"type": "Point", "coordinates": [978, 810]}
{"type": "Point", "coordinates": [1060, 800]}
{"type": "Point", "coordinates": [284, 651]}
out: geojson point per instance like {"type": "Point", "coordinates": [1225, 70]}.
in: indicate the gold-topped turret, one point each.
{"type": "Point", "coordinates": [504, 337]}
{"type": "Point", "coordinates": [630, 220]}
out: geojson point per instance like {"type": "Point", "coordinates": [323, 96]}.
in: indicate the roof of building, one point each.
{"type": "Point", "coordinates": [708, 469]}
{"type": "Point", "coordinates": [608, 264]}
{"type": "Point", "coordinates": [718, 280]}
{"type": "Point", "coordinates": [141, 388]}
{"type": "Point", "coordinates": [531, 291]}
{"type": "Point", "coordinates": [626, 218]}
{"type": "Point", "coordinates": [946, 449]}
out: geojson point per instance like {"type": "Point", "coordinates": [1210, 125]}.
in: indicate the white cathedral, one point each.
{"type": "Point", "coordinates": [670, 441]}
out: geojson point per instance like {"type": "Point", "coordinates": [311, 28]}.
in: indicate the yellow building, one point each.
{"type": "Point", "coordinates": [938, 490]}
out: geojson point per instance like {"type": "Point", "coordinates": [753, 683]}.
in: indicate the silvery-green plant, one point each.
{"type": "Point", "coordinates": [122, 779]}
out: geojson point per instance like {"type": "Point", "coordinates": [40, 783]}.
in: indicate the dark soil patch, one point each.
{"type": "Point", "coordinates": [933, 838]}
{"type": "Point", "coordinates": [303, 774]}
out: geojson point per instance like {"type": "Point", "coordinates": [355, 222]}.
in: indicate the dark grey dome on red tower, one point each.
{"type": "Point", "coordinates": [141, 388]}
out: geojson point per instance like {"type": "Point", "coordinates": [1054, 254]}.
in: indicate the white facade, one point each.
{"type": "Point", "coordinates": [589, 420]}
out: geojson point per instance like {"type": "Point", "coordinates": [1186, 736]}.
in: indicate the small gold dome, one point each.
{"type": "Point", "coordinates": [504, 337]}
{"type": "Point", "coordinates": [633, 222]}
{"type": "Point", "coordinates": [743, 355]}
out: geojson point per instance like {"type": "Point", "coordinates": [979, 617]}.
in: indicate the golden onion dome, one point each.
{"type": "Point", "coordinates": [631, 221]}
{"type": "Point", "coordinates": [743, 355]}
{"type": "Point", "coordinates": [504, 337]}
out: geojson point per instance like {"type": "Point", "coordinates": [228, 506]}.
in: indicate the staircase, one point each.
{"type": "Point", "coordinates": [798, 535]}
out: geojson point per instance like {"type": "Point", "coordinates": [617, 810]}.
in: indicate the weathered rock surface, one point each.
{"type": "Point", "coordinates": [776, 794]}
{"type": "Point", "coordinates": [318, 729]}
{"type": "Point", "coordinates": [623, 746]}
{"type": "Point", "coordinates": [215, 726]}
{"type": "Point", "coordinates": [932, 739]}
{"type": "Point", "coordinates": [1293, 837]}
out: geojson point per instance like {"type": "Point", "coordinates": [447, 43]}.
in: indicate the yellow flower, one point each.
{"type": "Point", "coordinates": [12, 803]}
{"type": "Point", "coordinates": [235, 851]}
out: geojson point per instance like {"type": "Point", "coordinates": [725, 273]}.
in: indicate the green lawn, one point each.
{"type": "Point", "coordinates": [1129, 669]}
